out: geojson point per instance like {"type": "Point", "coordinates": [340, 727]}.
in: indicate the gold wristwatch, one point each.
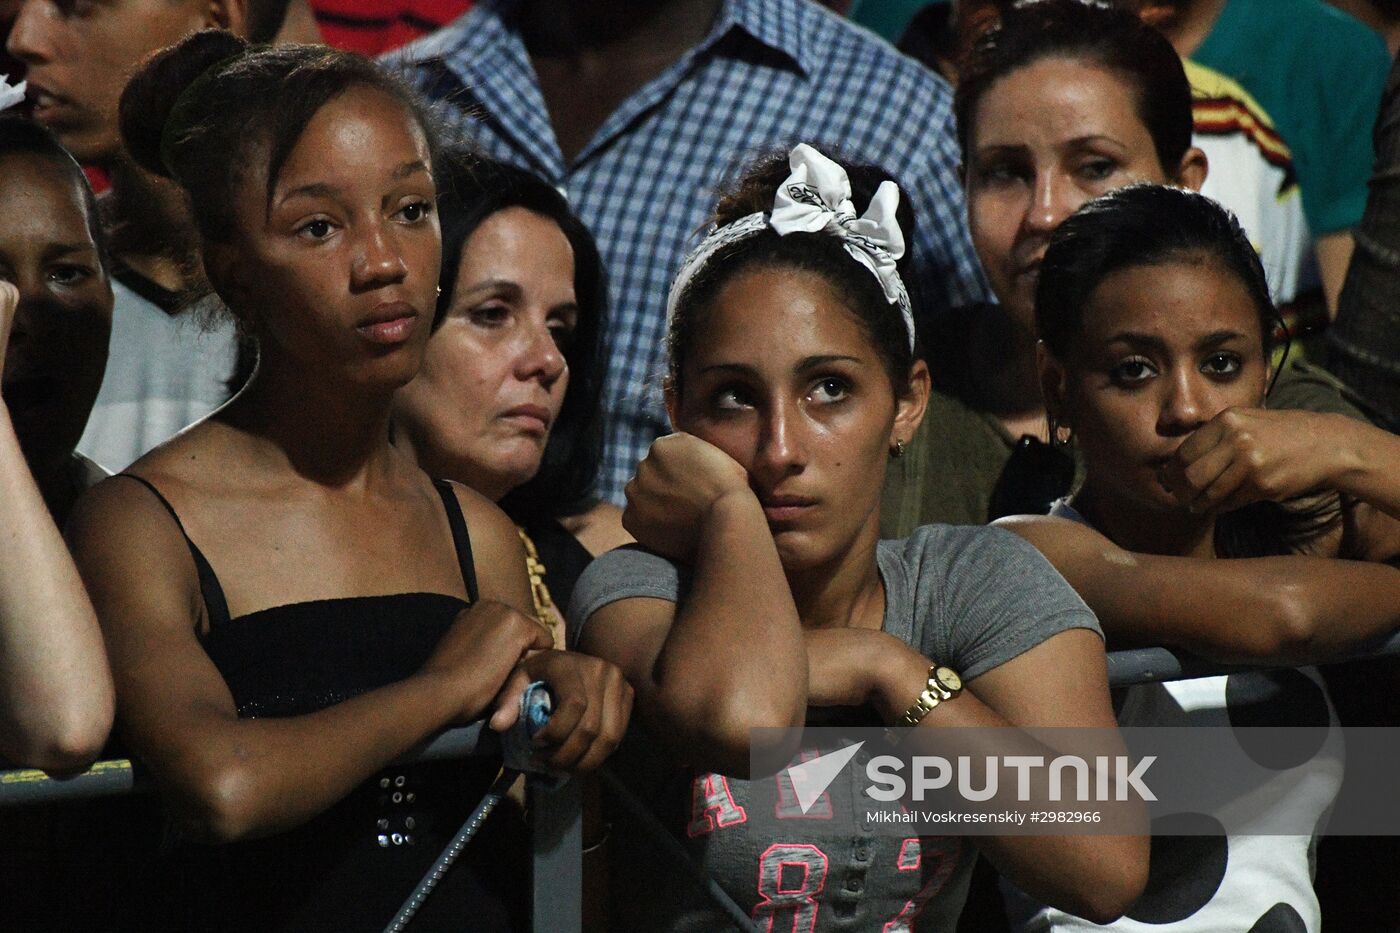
{"type": "Point", "coordinates": [943, 684]}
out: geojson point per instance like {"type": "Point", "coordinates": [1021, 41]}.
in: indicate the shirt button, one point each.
{"type": "Point", "coordinates": [855, 885]}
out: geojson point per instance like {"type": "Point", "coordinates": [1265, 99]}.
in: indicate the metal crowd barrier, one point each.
{"type": "Point", "coordinates": [555, 821]}
{"type": "Point", "coordinates": [1158, 665]}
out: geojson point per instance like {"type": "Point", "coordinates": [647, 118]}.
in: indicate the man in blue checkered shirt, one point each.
{"type": "Point", "coordinates": [638, 109]}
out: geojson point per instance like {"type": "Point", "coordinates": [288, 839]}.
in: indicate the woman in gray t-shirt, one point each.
{"type": "Point", "coordinates": [764, 593]}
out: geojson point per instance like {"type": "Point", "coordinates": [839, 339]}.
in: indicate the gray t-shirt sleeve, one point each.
{"type": "Point", "coordinates": [982, 596]}
{"type": "Point", "coordinates": [624, 573]}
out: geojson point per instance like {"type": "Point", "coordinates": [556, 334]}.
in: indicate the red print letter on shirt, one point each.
{"type": "Point", "coordinates": [711, 805]}
{"type": "Point", "coordinates": [790, 877]}
{"type": "Point", "coordinates": [942, 852]}
{"type": "Point", "coordinates": [788, 808]}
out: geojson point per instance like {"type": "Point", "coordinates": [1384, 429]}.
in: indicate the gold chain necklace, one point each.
{"type": "Point", "coordinates": [539, 592]}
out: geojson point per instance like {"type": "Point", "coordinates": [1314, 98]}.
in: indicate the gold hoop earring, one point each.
{"type": "Point", "coordinates": [897, 451]}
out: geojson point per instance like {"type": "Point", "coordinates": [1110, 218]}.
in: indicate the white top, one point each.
{"type": "Point", "coordinates": [1208, 884]}
{"type": "Point", "coordinates": [1251, 173]}
{"type": "Point", "coordinates": [164, 372]}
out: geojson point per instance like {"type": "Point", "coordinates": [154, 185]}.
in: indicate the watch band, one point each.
{"type": "Point", "coordinates": [943, 684]}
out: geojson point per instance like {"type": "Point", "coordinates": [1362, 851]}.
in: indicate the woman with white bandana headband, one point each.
{"type": "Point", "coordinates": [761, 595]}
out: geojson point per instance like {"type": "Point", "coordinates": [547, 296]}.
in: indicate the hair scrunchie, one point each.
{"type": "Point", "coordinates": [816, 198]}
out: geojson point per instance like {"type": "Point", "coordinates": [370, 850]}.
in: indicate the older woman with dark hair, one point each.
{"type": "Point", "coordinates": [507, 401]}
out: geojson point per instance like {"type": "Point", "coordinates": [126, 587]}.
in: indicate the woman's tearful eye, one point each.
{"type": "Point", "coordinates": [1221, 364]}
{"type": "Point", "coordinates": [831, 389]}
{"type": "Point", "coordinates": [730, 398]}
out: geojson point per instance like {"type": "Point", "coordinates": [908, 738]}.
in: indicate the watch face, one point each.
{"type": "Point", "coordinates": [948, 678]}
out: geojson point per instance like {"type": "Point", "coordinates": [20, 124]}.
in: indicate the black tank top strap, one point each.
{"type": "Point", "coordinates": [209, 588]}
{"type": "Point", "coordinates": [460, 539]}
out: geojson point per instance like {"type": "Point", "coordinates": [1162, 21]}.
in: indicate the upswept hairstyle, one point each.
{"type": "Point", "coordinates": [1091, 31]}
{"type": "Point", "coordinates": [1151, 225]}
{"type": "Point", "coordinates": [818, 253]}
{"type": "Point", "coordinates": [205, 109]}
{"type": "Point", "coordinates": [21, 137]}
{"type": "Point", "coordinates": [471, 188]}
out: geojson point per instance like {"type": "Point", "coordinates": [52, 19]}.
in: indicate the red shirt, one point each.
{"type": "Point", "coordinates": [373, 27]}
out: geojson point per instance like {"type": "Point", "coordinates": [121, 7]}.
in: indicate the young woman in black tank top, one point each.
{"type": "Point", "coordinates": [277, 585]}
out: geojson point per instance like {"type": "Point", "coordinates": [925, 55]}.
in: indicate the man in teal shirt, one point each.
{"type": "Point", "coordinates": [889, 18]}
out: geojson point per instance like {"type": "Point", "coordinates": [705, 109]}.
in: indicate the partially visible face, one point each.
{"type": "Point", "coordinates": [972, 19]}
{"type": "Point", "coordinates": [58, 343]}
{"type": "Point", "coordinates": [79, 55]}
{"type": "Point", "coordinates": [494, 376]}
{"type": "Point", "coordinates": [1164, 349]}
{"type": "Point", "coordinates": [1045, 139]}
{"type": "Point", "coordinates": [337, 274]}
{"type": "Point", "coordinates": [782, 378]}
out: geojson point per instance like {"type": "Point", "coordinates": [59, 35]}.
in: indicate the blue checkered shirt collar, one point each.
{"type": "Point", "coordinates": [483, 52]}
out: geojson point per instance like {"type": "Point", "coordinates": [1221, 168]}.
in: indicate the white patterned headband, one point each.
{"type": "Point", "coordinates": [11, 94]}
{"type": "Point", "coordinates": [816, 198]}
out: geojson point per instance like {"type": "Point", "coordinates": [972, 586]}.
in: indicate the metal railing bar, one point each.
{"type": "Point", "coordinates": [116, 776]}
{"type": "Point", "coordinates": [556, 827]}
{"type": "Point", "coordinates": [1158, 665]}
{"type": "Point", "coordinates": [104, 779]}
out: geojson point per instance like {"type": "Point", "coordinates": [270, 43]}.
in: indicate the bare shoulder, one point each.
{"type": "Point", "coordinates": [485, 519]}
{"type": "Point", "coordinates": [120, 532]}
{"type": "Point", "coordinates": [118, 506]}
{"type": "Point", "coordinates": [497, 551]}
{"type": "Point", "coordinates": [599, 529]}
{"type": "Point", "coordinates": [203, 458]}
